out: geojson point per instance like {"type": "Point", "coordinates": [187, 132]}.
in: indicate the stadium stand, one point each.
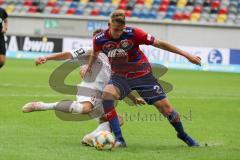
{"type": "Point", "coordinates": [212, 11]}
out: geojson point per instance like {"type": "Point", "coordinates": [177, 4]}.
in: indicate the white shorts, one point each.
{"type": "Point", "coordinates": [94, 91]}
{"type": "Point", "coordinates": [96, 102]}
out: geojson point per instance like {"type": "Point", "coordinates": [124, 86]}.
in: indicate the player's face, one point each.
{"type": "Point", "coordinates": [116, 30]}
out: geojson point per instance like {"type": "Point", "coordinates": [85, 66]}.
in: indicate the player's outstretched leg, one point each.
{"type": "Point", "coordinates": [64, 106]}
{"type": "Point", "coordinates": [38, 106]}
{"type": "Point", "coordinates": [173, 117]}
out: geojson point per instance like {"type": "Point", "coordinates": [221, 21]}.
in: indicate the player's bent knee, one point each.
{"type": "Point", "coordinates": [80, 108]}
{"type": "Point", "coordinates": [110, 93]}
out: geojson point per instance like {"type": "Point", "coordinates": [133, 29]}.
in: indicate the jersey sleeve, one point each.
{"type": "Point", "coordinates": [143, 37]}
{"type": "Point", "coordinates": [96, 46]}
{"type": "Point", "coordinates": [81, 52]}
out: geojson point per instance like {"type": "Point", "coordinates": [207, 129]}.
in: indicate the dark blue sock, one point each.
{"type": "Point", "coordinates": [112, 118]}
{"type": "Point", "coordinates": [174, 119]}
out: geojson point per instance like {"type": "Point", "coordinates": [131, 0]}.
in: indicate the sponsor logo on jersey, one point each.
{"type": "Point", "coordinates": [126, 44]}
{"type": "Point", "coordinates": [109, 46]}
{"type": "Point", "coordinates": [215, 57]}
{"type": "Point", "coordinates": [117, 53]}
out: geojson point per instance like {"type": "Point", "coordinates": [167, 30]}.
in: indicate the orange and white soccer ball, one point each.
{"type": "Point", "coordinates": [104, 140]}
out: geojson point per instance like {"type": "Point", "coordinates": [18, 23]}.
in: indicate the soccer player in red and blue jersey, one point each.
{"type": "Point", "coordinates": [132, 71]}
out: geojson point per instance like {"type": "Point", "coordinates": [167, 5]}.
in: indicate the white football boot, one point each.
{"type": "Point", "coordinates": [88, 140]}
{"type": "Point", "coordinates": [32, 106]}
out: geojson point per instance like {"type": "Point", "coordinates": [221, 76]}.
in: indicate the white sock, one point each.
{"type": "Point", "coordinates": [48, 106]}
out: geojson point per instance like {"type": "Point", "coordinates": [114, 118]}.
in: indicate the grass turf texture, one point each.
{"type": "Point", "coordinates": [212, 98]}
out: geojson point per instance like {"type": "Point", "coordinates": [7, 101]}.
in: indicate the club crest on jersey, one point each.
{"type": "Point", "coordinates": [109, 46]}
{"type": "Point", "coordinates": [126, 44]}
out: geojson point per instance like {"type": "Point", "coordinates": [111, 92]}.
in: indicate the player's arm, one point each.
{"type": "Point", "coordinates": [5, 20]}
{"type": "Point", "coordinates": [56, 56]}
{"type": "Point", "coordinates": [5, 25]}
{"type": "Point", "coordinates": [171, 48]}
{"type": "Point", "coordinates": [136, 100]}
{"type": "Point", "coordinates": [145, 38]}
{"type": "Point", "coordinates": [93, 56]}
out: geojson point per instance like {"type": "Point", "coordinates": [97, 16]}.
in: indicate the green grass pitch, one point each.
{"type": "Point", "coordinates": [209, 104]}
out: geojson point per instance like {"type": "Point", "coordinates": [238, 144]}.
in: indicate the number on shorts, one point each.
{"type": "Point", "coordinates": [157, 88]}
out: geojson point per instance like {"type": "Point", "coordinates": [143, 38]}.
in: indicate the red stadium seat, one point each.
{"type": "Point", "coordinates": [71, 11]}
{"type": "Point", "coordinates": [215, 4]}
{"type": "Point", "coordinates": [163, 8]}
{"type": "Point", "coordinates": [55, 10]}
{"type": "Point", "coordinates": [165, 2]}
{"type": "Point", "coordinates": [1, 2]}
{"type": "Point", "coordinates": [124, 1]}
{"type": "Point", "coordinates": [128, 13]}
{"type": "Point", "coordinates": [197, 9]}
{"type": "Point", "coordinates": [140, 2]}
{"type": "Point", "coordinates": [51, 4]}
{"type": "Point", "coordinates": [27, 3]}
{"type": "Point", "coordinates": [177, 16]}
{"type": "Point", "coordinates": [99, 1]}
{"type": "Point", "coordinates": [186, 16]}
{"type": "Point", "coordinates": [223, 11]}
{"type": "Point", "coordinates": [32, 9]}
{"type": "Point", "coordinates": [95, 12]}
{"type": "Point", "coordinates": [122, 6]}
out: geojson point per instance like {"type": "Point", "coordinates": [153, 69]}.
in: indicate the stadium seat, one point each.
{"type": "Point", "coordinates": [181, 3]}
{"type": "Point", "coordinates": [71, 11]}
{"type": "Point", "coordinates": [197, 9]}
{"type": "Point", "coordinates": [195, 17]}
{"type": "Point", "coordinates": [213, 11]}
{"type": "Point", "coordinates": [163, 8]}
{"type": "Point", "coordinates": [177, 16]}
{"type": "Point", "coordinates": [32, 9]}
{"type": "Point", "coordinates": [55, 10]}
{"type": "Point", "coordinates": [221, 18]}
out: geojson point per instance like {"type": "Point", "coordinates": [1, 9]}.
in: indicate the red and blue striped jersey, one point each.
{"type": "Point", "coordinates": [132, 63]}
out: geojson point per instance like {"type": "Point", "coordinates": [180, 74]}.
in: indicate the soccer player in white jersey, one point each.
{"type": "Point", "coordinates": [84, 104]}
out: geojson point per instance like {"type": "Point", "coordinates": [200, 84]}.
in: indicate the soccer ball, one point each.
{"type": "Point", "coordinates": [104, 140]}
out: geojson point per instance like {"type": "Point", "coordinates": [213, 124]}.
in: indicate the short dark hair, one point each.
{"type": "Point", "coordinates": [118, 16]}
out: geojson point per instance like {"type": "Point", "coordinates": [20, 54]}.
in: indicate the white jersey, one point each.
{"type": "Point", "coordinates": [97, 80]}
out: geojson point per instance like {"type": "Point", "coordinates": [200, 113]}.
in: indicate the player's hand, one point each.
{"type": "Point", "coordinates": [83, 70]}
{"type": "Point", "coordinates": [40, 60]}
{"type": "Point", "coordinates": [195, 60]}
{"type": "Point", "coordinates": [87, 70]}
{"type": "Point", "coordinates": [139, 101]}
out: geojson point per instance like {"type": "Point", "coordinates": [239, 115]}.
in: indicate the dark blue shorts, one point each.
{"type": "Point", "coordinates": [147, 87]}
